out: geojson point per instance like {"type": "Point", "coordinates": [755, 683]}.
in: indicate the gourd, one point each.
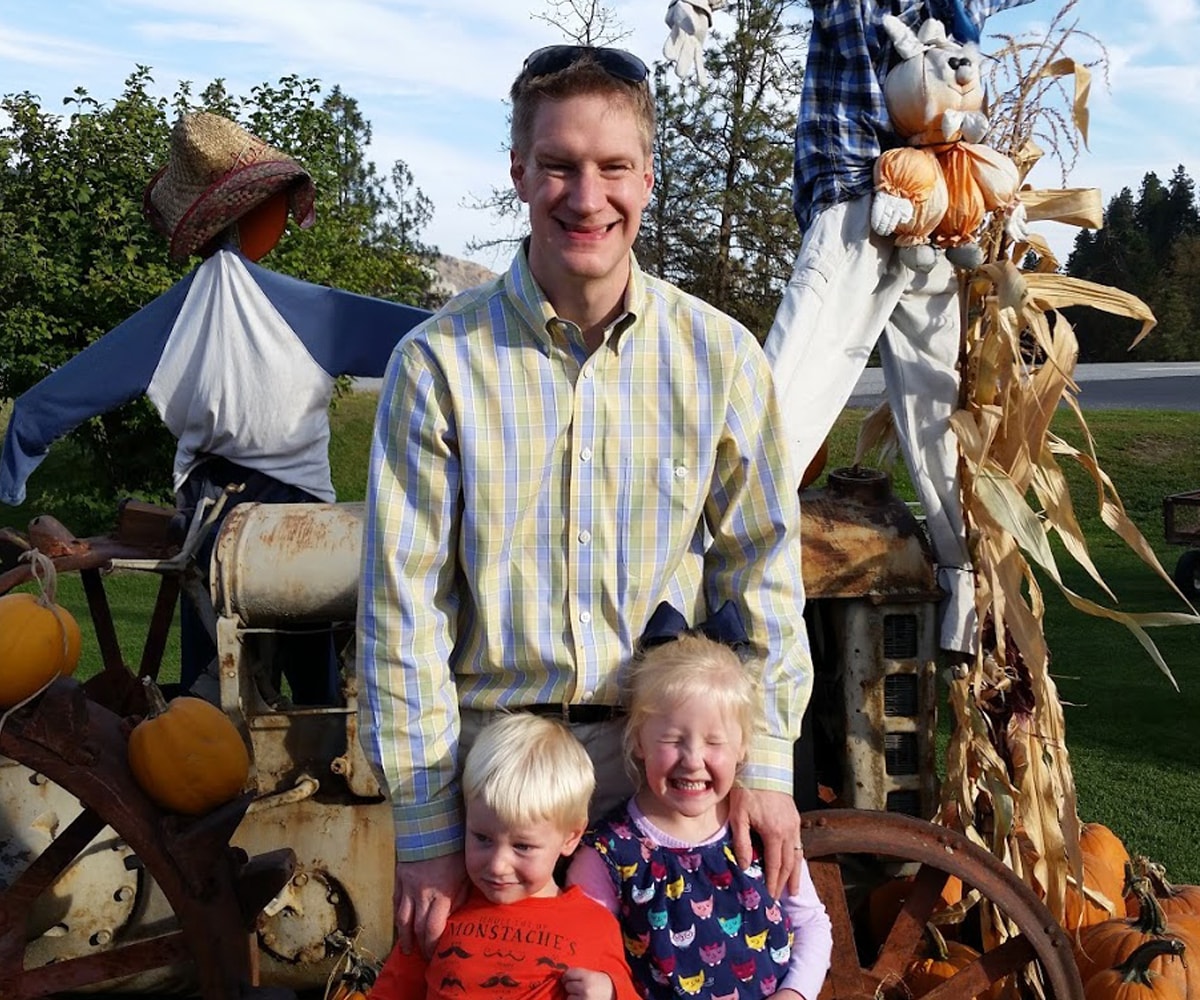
{"type": "Point", "coordinates": [187, 756]}
{"type": "Point", "coordinates": [39, 639]}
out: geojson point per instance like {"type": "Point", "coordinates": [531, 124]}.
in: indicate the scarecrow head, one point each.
{"type": "Point", "coordinates": [220, 181]}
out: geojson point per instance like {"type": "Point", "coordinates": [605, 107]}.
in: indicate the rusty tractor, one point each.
{"type": "Point", "coordinates": [102, 892]}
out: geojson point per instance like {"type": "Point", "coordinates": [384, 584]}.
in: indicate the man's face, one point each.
{"type": "Point", "coordinates": [586, 179]}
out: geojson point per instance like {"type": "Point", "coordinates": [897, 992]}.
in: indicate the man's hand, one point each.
{"type": "Point", "coordinates": [427, 892]}
{"type": "Point", "coordinates": [689, 21]}
{"type": "Point", "coordinates": [773, 816]}
{"type": "Point", "coordinates": [587, 984]}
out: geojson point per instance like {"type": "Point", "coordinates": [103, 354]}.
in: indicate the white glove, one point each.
{"type": "Point", "coordinates": [689, 21]}
{"type": "Point", "coordinates": [889, 211]}
{"type": "Point", "coordinates": [1016, 226]}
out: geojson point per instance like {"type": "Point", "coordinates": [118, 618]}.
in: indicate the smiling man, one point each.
{"type": "Point", "coordinates": [556, 453]}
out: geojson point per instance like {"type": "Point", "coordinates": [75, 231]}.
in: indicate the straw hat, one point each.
{"type": "Point", "coordinates": [216, 173]}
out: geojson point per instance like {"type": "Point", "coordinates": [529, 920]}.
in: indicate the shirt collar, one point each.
{"type": "Point", "coordinates": [547, 326]}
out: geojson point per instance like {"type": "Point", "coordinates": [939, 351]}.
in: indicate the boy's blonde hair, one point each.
{"type": "Point", "coordinates": [530, 769]}
{"type": "Point", "coordinates": [688, 667]}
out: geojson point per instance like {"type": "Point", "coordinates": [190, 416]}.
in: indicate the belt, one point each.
{"type": "Point", "coordinates": [577, 714]}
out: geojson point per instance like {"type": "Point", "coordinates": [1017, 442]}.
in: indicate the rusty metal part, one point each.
{"type": "Point", "coordinates": [214, 896]}
{"type": "Point", "coordinates": [860, 540]}
{"type": "Point", "coordinates": [288, 564]}
{"type": "Point", "coordinates": [831, 835]}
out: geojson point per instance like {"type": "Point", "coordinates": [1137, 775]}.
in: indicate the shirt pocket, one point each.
{"type": "Point", "coordinates": [659, 510]}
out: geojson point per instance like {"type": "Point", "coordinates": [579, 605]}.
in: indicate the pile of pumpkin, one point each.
{"type": "Point", "coordinates": [1149, 946]}
{"type": "Point", "coordinates": [186, 755]}
{"type": "Point", "coordinates": [1137, 950]}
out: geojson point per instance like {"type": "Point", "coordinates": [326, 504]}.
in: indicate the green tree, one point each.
{"type": "Point", "coordinates": [77, 257]}
{"type": "Point", "coordinates": [721, 223]}
{"type": "Point", "coordinates": [1147, 247]}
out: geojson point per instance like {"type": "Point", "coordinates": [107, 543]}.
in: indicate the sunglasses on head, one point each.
{"type": "Point", "coordinates": [615, 62]}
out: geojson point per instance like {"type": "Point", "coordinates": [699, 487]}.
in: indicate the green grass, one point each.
{"type": "Point", "coordinates": [1134, 752]}
{"type": "Point", "coordinates": [1133, 748]}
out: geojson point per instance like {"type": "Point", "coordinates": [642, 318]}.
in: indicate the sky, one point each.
{"type": "Point", "coordinates": [431, 76]}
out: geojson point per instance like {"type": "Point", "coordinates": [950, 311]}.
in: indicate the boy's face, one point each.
{"type": "Point", "coordinates": [586, 178]}
{"type": "Point", "coordinates": [511, 863]}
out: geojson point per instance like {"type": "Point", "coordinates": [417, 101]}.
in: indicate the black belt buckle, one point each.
{"type": "Point", "coordinates": [581, 715]}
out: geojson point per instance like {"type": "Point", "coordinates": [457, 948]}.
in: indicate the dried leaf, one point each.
{"type": "Point", "coordinates": [1055, 291]}
{"type": "Point", "coordinates": [1080, 207]}
{"type": "Point", "coordinates": [1083, 87]}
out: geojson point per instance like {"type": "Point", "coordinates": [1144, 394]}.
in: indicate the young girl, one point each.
{"type": "Point", "coordinates": [693, 922]}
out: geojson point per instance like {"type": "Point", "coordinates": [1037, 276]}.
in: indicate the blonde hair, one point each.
{"type": "Point", "coordinates": [688, 667]}
{"type": "Point", "coordinates": [585, 76]}
{"type": "Point", "coordinates": [530, 769]}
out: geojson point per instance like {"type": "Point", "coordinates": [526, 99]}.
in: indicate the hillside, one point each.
{"type": "Point", "coordinates": [455, 274]}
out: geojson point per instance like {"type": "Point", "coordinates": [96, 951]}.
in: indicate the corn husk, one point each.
{"type": "Point", "coordinates": [1009, 784]}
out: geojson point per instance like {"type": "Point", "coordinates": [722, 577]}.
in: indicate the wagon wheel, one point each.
{"type": "Point", "coordinates": [830, 835]}
{"type": "Point", "coordinates": [214, 894]}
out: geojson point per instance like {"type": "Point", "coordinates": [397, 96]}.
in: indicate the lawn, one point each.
{"type": "Point", "coordinates": [1135, 755]}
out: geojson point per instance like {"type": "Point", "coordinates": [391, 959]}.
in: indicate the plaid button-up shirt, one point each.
{"type": "Point", "coordinates": [843, 124]}
{"type": "Point", "coordinates": [530, 504]}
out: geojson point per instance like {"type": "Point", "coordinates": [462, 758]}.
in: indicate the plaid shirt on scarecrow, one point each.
{"type": "Point", "coordinates": [843, 124]}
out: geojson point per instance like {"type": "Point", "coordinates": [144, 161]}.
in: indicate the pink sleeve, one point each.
{"type": "Point", "coordinates": [813, 944]}
{"type": "Point", "coordinates": [590, 872]}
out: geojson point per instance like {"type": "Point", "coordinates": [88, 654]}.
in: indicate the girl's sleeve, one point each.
{"type": "Point", "coordinates": [812, 945]}
{"type": "Point", "coordinates": [590, 872]}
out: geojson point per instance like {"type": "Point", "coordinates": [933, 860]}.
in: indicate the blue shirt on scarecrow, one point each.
{"type": "Point", "coordinates": [239, 361]}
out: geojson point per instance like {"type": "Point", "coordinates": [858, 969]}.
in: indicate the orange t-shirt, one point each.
{"type": "Point", "coordinates": [514, 951]}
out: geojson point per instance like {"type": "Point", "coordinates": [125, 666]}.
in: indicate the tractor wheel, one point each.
{"type": "Point", "coordinates": [840, 842]}
{"type": "Point", "coordinates": [86, 849]}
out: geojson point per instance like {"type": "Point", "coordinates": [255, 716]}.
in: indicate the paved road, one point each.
{"type": "Point", "coordinates": [1122, 386]}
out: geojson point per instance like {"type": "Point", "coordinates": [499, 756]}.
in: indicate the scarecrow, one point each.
{"type": "Point", "coordinates": [852, 289]}
{"type": "Point", "coordinates": [239, 361]}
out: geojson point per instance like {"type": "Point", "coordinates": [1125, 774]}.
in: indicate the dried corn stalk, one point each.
{"type": "Point", "coordinates": [1009, 784]}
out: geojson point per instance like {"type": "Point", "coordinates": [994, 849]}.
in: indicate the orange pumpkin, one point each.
{"type": "Point", "coordinates": [1173, 899]}
{"type": "Point", "coordinates": [1135, 979]}
{"type": "Point", "coordinates": [885, 902]}
{"type": "Point", "coordinates": [1081, 911]}
{"type": "Point", "coordinates": [1107, 944]}
{"type": "Point", "coordinates": [187, 756]}
{"type": "Point", "coordinates": [942, 960]}
{"type": "Point", "coordinates": [39, 639]}
{"type": "Point", "coordinates": [1107, 849]}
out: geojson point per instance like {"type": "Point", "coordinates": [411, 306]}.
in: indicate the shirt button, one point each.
{"type": "Point", "coordinates": [586, 455]}
{"type": "Point", "coordinates": [680, 472]}
{"type": "Point", "coordinates": [585, 617]}
{"type": "Point", "coordinates": [585, 536]}
{"type": "Point", "coordinates": [589, 695]}
{"type": "Point", "coordinates": [587, 372]}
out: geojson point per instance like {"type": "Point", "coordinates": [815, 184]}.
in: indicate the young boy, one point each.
{"type": "Point", "coordinates": [526, 786]}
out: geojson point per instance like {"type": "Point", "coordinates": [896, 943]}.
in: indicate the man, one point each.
{"type": "Point", "coordinates": [555, 454]}
{"type": "Point", "coordinates": [849, 289]}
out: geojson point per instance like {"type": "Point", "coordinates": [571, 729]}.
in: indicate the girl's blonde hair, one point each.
{"type": "Point", "coordinates": [688, 667]}
{"type": "Point", "coordinates": [530, 769]}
